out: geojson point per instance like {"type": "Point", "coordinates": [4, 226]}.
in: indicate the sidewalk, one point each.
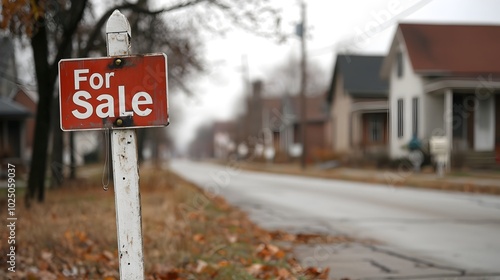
{"type": "Point", "coordinates": [469, 181]}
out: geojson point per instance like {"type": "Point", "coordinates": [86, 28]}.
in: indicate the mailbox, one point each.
{"type": "Point", "coordinates": [440, 150]}
{"type": "Point", "coordinates": [438, 145]}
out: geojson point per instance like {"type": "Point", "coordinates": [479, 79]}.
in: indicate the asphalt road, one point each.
{"type": "Point", "coordinates": [421, 234]}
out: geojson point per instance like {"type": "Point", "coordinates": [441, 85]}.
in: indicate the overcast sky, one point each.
{"type": "Point", "coordinates": [359, 26]}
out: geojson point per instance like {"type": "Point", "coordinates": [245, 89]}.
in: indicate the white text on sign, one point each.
{"type": "Point", "coordinates": [105, 109]}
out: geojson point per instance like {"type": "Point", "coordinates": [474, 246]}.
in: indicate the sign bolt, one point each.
{"type": "Point", "coordinates": [118, 62]}
{"type": "Point", "coordinates": [119, 122]}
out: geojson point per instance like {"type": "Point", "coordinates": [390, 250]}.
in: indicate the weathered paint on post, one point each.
{"type": "Point", "coordinates": [125, 169]}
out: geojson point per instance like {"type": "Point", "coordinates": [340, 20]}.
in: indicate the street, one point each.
{"type": "Point", "coordinates": [419, 234]}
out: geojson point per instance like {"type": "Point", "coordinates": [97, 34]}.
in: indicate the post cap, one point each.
{"type": "Point", "coordinates": [118, 23]}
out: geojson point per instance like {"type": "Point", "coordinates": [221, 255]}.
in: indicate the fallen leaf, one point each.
{"type": "Point", "coordinates": [280, 255]}
{"type": "Point", "coordinates": [232, 238]}
{"type": "Point", "coordinates": [91, 257]}
{"type": "Point", "coordinates": [305, 237]}
{"type": "Point", "coordinates": [255, 269]}
{"type": "Point", "coordinates": [269, 251]}
{"type": "Point", "coordinates": [200, 266]}
{"type": "Point", "coordinates": [317, 273]}
{"type": "Point", "coordinates": [82, 236]}
{"type": "Point", "coordinates": [47, 256]}
{"type": "Point", "coordinates": [200, 238]}
{"type": "Point", "coordinates": [283, 273]}
{"type": "Point", "coordinates": [223, 263]}
{"type": "Point", "coordinates": [108, 255]}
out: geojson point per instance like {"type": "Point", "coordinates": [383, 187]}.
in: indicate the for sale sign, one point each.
{"type": "Point", "coordinates": [113, 92]}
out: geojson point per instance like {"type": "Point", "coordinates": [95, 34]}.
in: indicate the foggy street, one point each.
{"type": "Point", "coordinates": [170, 139]}
{"type": "Point", "coordinates": [421, 234]}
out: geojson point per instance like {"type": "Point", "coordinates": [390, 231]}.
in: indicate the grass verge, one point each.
{"type": "Point", "coordinates": [393, 178]}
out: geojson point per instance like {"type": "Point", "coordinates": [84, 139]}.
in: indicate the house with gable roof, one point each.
{"type": "Point", "coordinates": [281, 119]}
{"type": "Point", "coordinates": [17, 125]}
{"type": "Point", "coordinates": [17, 108]}
{"type": "Point", "coordinates": [273, 123]}
{"type": "Point", "coordinates": [444, 80]}
{"type": "Point", "coordinates": [357, 102]}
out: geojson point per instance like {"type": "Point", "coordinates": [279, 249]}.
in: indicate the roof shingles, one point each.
{"type": "Point", "coordinates": [361, 76]}
{"type": "Point", "coordinates": [453, 50]}
{"type": "Point", "coordinates": [12, 109]}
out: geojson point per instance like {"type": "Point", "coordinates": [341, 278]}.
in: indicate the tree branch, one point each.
{"type": "Point", "coordinates": [182, 86]}
{"type": "Point", "coordinates": [132, 7]}
{"type": "Point", "coordinates": [76, 14]}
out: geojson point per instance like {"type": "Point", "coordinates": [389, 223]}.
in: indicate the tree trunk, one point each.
{"type": "Point", "coordinates": [42, 127]}
{"type": "Point", "coordinates": [46, 76]}
{"type": "Point", "coordinates": [72, 167]}
{"type": "Point", "coordinates": [56, 158]}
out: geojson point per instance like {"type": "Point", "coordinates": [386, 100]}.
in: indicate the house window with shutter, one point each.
{"type": "Point", "coordinates": [400, 64]}
{"type": "Point", "coordinates": [415, 105]}
{"type": "Point", "coordinates": [400, 117]}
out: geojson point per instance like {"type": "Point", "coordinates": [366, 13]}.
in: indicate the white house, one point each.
{"type": "Point", "coordinates": [444, 81]}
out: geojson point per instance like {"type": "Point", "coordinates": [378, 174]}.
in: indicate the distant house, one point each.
{"type": "Point", "coordinates": [282, 119]}
{"type": "Point", "coordinates": [274, 122]}
{"type": "Point", "coordinates": [17, 125]}
{"type": "Point", "coordinates": [12, 131]}
{"type": "Point", "coordinates": [278, 123]}
{"type": "Point", "coordinates": [357, 100]}
{"type": "Point", "coordinates": [444, 80]}
{"type": "Point", "coordinates": [27, 98]}
{"type": "Point", "coordinates": [224, 137]}
{"type": "Point", "coordinates": [17, 108]}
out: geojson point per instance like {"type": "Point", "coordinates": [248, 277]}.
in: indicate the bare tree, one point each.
{"type": "Point", "coordinates": [202, 145]}
{"type": "Point", "coordinates": [285, 78]}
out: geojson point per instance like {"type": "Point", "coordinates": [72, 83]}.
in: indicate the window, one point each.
{"type": "Point", "coordinates": [376, 129]}
{"type": "Point", "coordinates": [400, 64]}
{"type": "Point", "coordinates": [400, 117]}
{"type": "Point", "coordinates": [414, 106]}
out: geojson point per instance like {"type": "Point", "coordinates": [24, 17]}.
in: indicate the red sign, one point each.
{"type": "Point", "coordinates": [113, 92]}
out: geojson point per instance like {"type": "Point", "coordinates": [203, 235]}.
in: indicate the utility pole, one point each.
{"type": "Point", "coordinates": [245, 75]}
{"type": "Point", "coordinates": [301, 31]}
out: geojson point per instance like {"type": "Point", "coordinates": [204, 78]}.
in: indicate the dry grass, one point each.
{"type": "Point", "coordinates": [413, 181]}
{"type": "Point", "coordinates": [186, 235]}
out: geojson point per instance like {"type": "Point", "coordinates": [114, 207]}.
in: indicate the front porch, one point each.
{"type": "Point", "coordinates": [369, 131]}
{"type": "Point", "coordinates": [471, 115]}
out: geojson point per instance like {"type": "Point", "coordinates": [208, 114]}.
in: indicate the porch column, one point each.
{"type": "Point", "coordinates": [448, 123]}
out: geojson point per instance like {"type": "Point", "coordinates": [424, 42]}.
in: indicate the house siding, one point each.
{"type": "Point", "coordinates": [29, 128]}
{"type": "Point", "coordinates": [341, 111]}
{"type": "Point", "coordinates": [432, 117]}
{"type": "Point", "coordinates": [406, 87]}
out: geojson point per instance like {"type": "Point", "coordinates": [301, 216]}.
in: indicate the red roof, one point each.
{"type": "Point", "coordinates": [458, 50]}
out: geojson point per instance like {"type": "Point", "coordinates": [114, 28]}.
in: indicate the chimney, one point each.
{"type": "Point", "coordinates": [257, 89]}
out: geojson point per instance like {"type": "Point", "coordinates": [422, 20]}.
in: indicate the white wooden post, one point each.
{"type": "Point", "coordinates": [125, 169]}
